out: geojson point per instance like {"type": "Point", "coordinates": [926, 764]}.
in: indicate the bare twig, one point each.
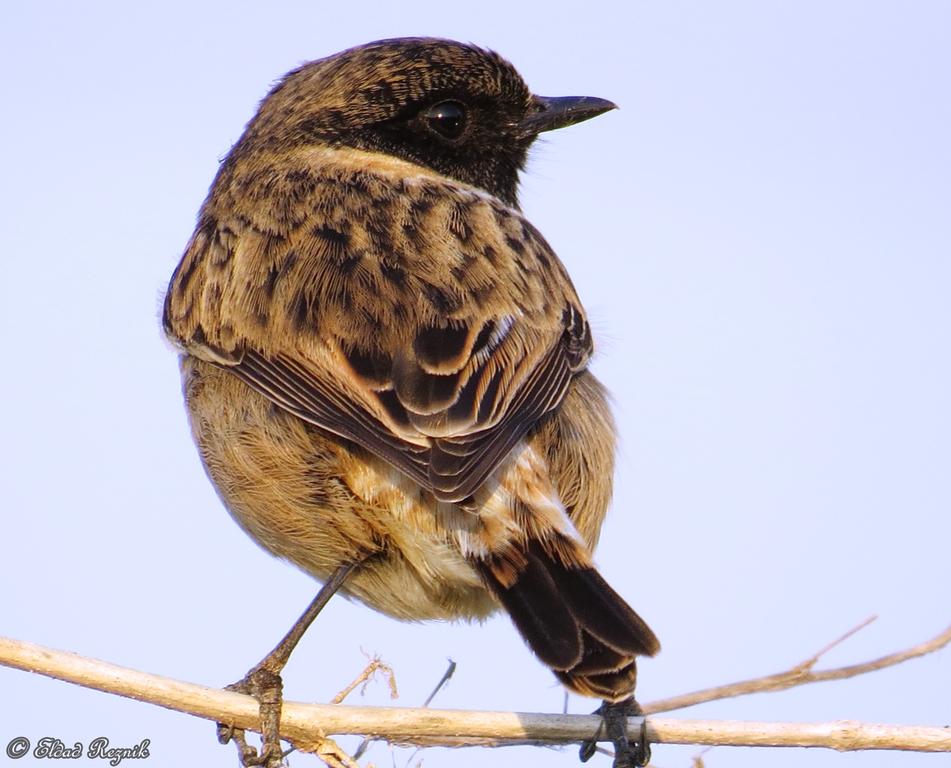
{"type": "Point", "coordinates": [374, 666]}
{"type": "Point", "coordinates": [801, 674]}
{"type": "Point", "coordinates": [450, 671]}
{"type": "Point", "coordinates": [329, 751]}
{"type": "Point", "coordinates": [814, 659]}
{"type": "Point", "coordinates": [310, 724]}
{"type": "Point", "coordinates": [446, 677]}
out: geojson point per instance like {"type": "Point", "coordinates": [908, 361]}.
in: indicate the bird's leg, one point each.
{"type": "Point", "coordinates": [264, 683]}
{"type": "Point", "coordinates": [614, 726]}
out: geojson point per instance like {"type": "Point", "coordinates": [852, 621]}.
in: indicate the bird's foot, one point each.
{"type": "Point", "coordinates": [614, 727]}
{"type": "Point", "coordinates": [267, 687]}
{"type": "Point", "coordinates": [264, 683]}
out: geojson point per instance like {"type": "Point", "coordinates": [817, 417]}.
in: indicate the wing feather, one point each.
{"type": "Point", "coordinates": [436, 353]}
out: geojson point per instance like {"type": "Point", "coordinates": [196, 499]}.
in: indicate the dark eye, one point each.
{"type": "Point", "coordinates": [447, 118]}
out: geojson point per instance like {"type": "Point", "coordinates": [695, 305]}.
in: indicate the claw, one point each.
{"type": "Point", "coordinates": [642, 749]}
{"type": "Point", "coordinates": [590, 746]}
{"type": "Point", "coordinates": [614, 725]}
{"type": "Point", "coordinates": [267, 687]}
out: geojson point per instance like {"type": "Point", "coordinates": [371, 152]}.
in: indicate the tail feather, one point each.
{"type": "Point", "coordinates": [602, 611]}
{"type": "Point", "coordinates": [598, 658]}
{"type": "Point", "coordinates": [539, 613]}
{"type": "Point", "coordinates": [610, 686]}
{"type": "Point", "coordinates": [572, 620]}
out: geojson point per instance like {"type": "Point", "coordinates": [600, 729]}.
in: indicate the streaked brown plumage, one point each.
{"type": "Point", "coordinates": [384, 362]}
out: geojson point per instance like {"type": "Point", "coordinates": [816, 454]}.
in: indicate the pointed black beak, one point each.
{"type": "Point", "coordinates": [561, 111]}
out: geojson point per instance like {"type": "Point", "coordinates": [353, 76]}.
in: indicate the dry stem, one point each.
{"type": "Point", "coordinates": [374, 666]}
{"type": "Point", "coordinates": [801, 674]}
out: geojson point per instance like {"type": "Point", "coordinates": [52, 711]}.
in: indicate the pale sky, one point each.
{"type": "Point", "coordinates": [761, 234]}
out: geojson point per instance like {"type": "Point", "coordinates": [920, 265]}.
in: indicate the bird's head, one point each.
{"type": "Point", "coordinates": [457, 109]}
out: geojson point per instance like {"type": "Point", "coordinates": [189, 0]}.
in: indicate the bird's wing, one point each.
{"type": "Point", "coordinates": [424, 321]}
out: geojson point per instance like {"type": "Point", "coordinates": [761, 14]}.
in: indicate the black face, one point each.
{"type": "Point", "coordinates": [457, 109]}
{"type": "Point", "coordinates": [461, 135]}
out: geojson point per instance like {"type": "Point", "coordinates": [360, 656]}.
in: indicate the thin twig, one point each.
{"type": "Point", "coordinates": [697, 760]}
{"type": "Point", "coordinates": [329, 750]}
{"type": "Point", "coordinates": [450, 671]}
{"type": "Point", "coordinates": [814, 659]}
{"type": "Point", "coordinates": [801, 674]}
{"type": "Point", "coordinates": [446, 677]}
{"type": "Point", "coordinates": [374, 666]}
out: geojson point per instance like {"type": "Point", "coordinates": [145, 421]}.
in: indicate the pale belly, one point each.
{"type": "Point", "coordinates": [319, 502]}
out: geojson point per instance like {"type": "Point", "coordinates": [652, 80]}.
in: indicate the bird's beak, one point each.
{"type": "Point", "coordinates": [560, 111]}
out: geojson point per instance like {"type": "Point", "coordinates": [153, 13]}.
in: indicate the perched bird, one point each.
{"type": "Point", "coordinates": [384, 362]}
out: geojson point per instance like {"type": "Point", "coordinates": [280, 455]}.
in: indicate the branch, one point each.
{"type": "Point", "coordinates": [308, 724]}
{"type": "Point", "coordinates": [801, 674]}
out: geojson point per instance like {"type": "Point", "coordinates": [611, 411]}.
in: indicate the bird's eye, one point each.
{"type": "Point", "coordinates": [447, 118]}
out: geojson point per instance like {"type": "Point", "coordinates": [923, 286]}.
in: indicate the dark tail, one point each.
{"type": "Point", "coordinates": [572, 620]}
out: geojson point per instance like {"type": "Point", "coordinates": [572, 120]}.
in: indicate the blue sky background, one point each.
{"type": "Point", "coordinates": [762, 235]}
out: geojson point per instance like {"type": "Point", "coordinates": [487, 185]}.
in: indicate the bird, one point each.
{"type": "Point", "coordinates": [385, 364]}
